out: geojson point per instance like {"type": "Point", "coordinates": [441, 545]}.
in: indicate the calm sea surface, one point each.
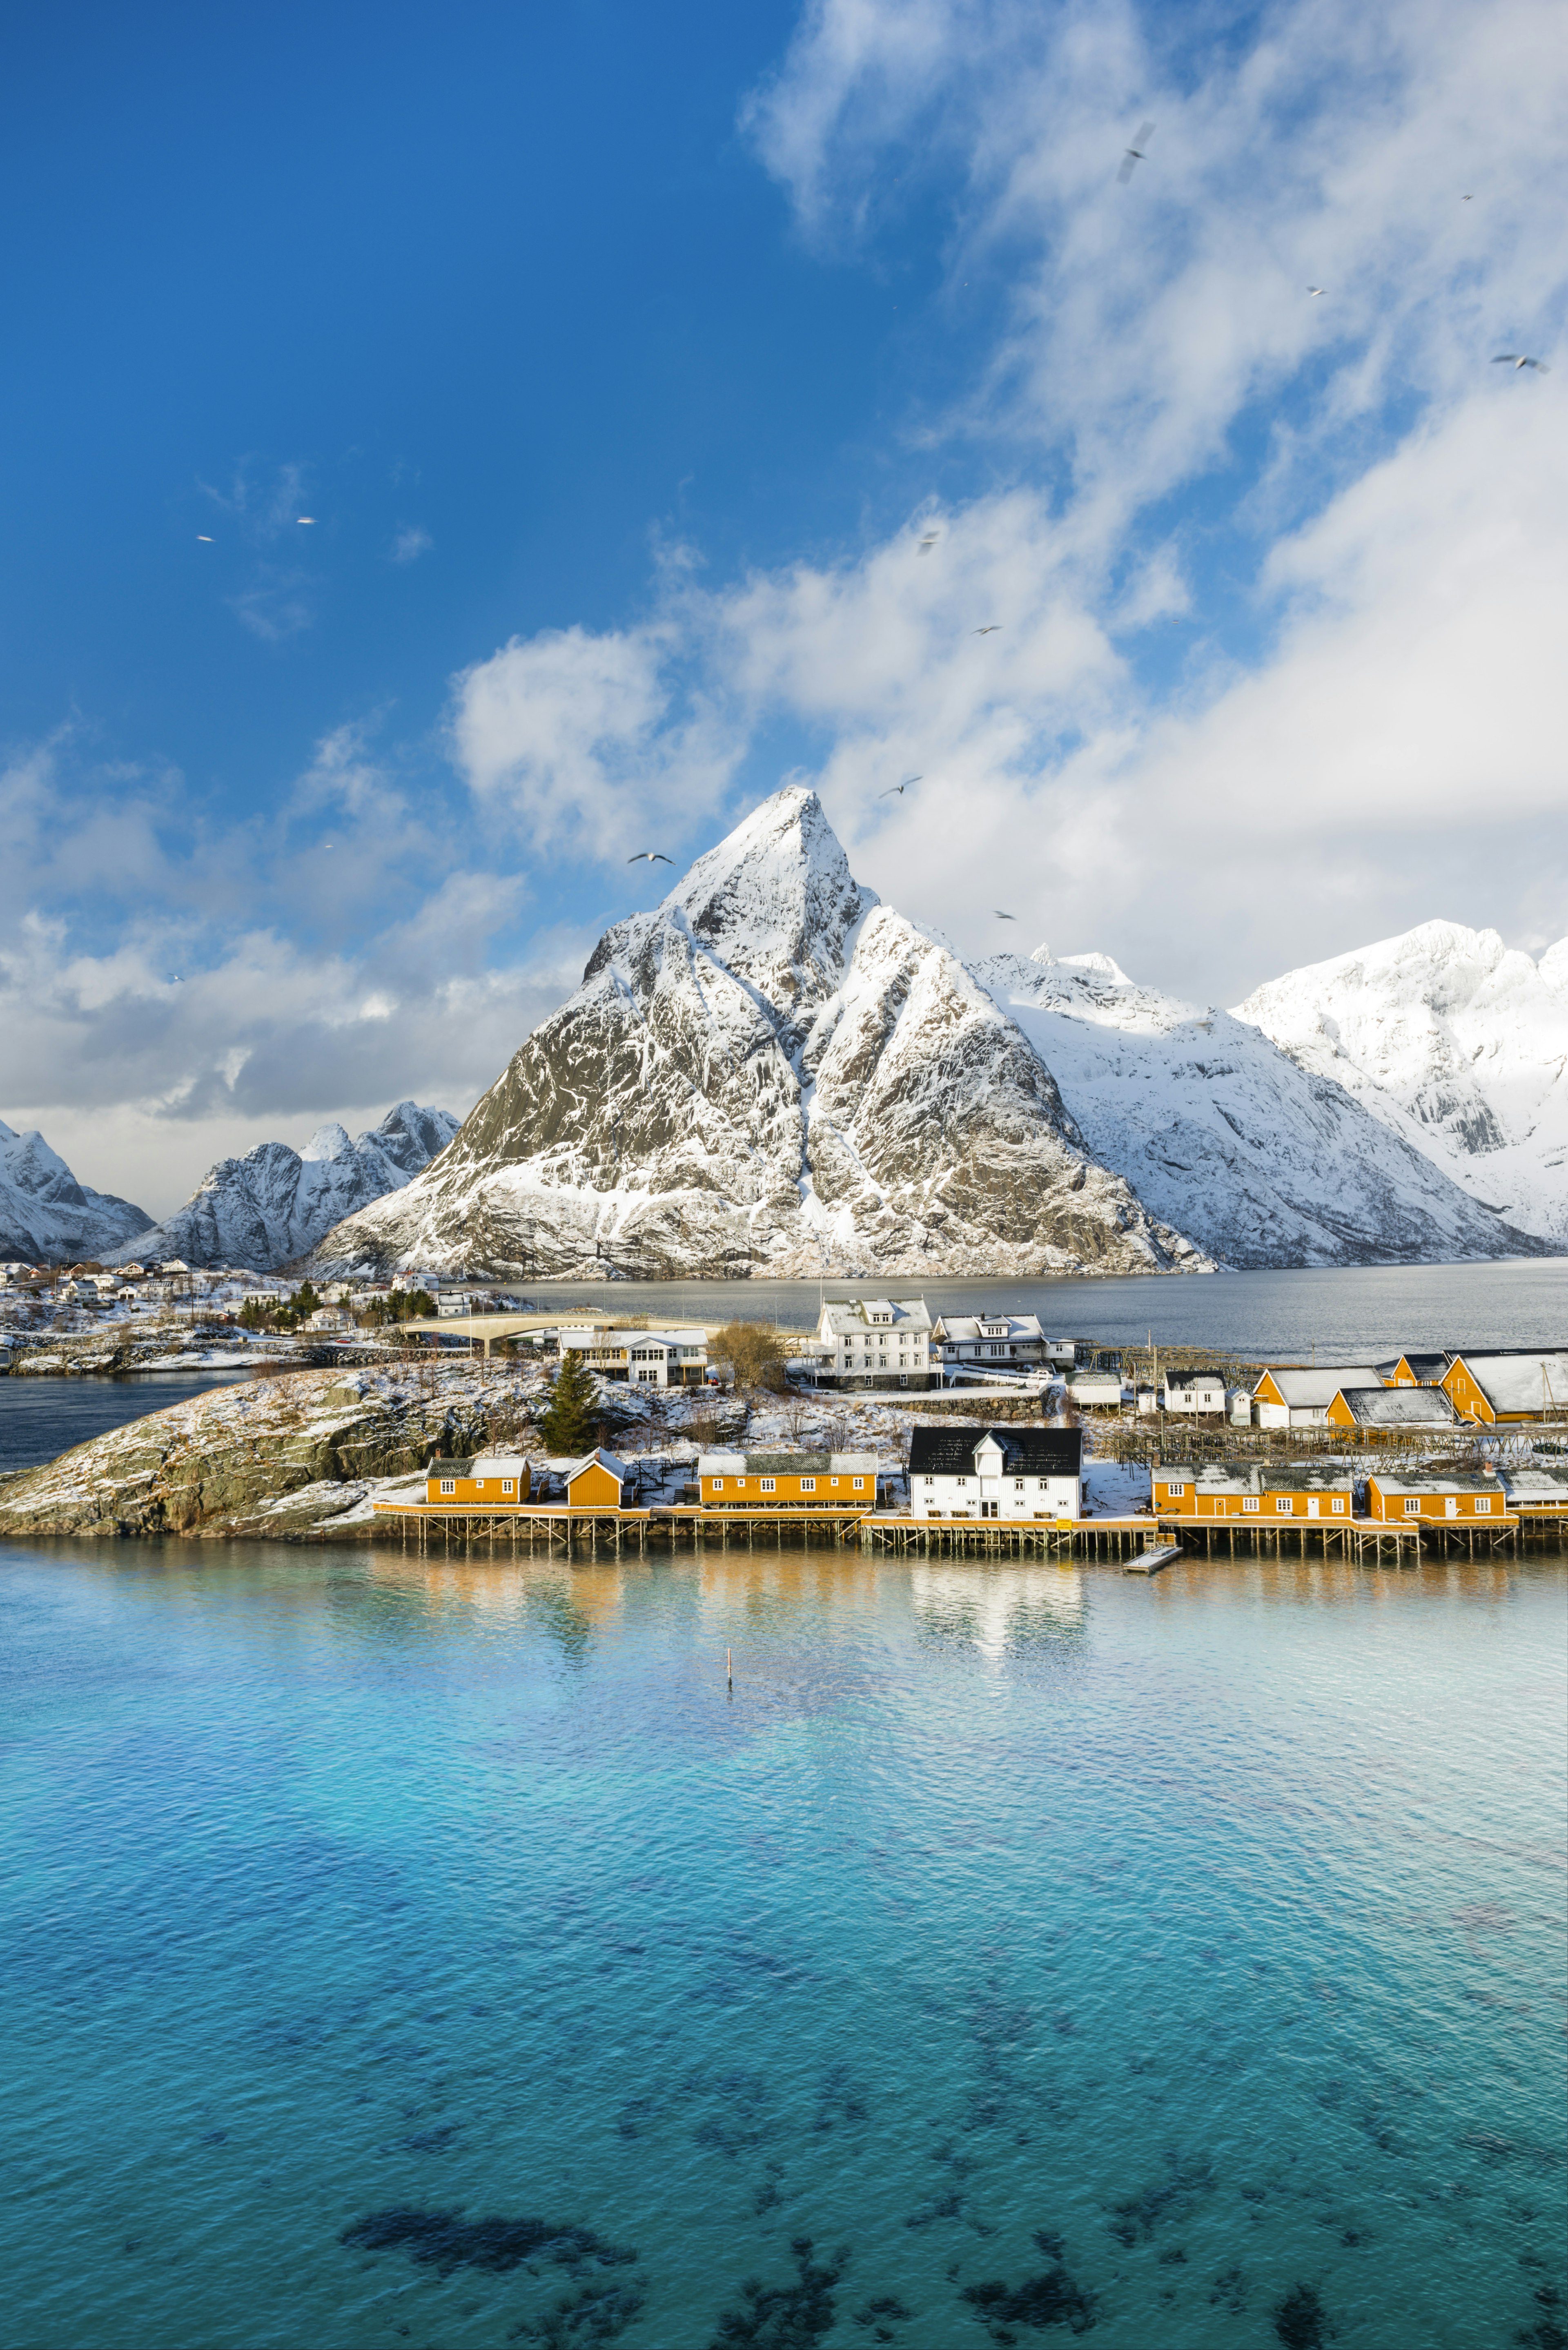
{"type": "Point", "coordinates": [446, 1958]}
{"type": "Point", "coordinates": [1342, 1311]}
{"type": "Point", "coordinates": [40, 1417]}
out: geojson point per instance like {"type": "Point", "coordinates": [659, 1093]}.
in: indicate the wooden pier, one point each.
{"type": "Point", "coordinates": [1141, 1544]}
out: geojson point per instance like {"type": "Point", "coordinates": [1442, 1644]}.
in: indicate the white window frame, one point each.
{"type": "Point", "coordinates": [1284, 1507]}
{"type": "Point", "coordinates": [448, 1485]}
{"type": "Point", "coordinates": [717, 1483]}
{"type": "Point", "coordinates": [1251, 1501]}
{"type": "Point", "coordinates": [1481, 1504]}
{"type": "Point", "coordinates": [1337, 1505]}
{"type": "Point", "coordinates": [808, 1484]}
{"type": "Point", "coordinates": [859, 1484]}
{"type": "Point", "coordinates": [767, 1484]}
{"type": "Point", "coordinates": [1412, 1505]}
{"type": "Point", "coordinates": [508, 1484]}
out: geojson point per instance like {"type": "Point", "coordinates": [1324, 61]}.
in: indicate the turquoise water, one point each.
{"type": "Point", "coordinates": [1180, 1962]}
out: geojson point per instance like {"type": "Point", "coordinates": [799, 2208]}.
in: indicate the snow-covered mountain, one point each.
{"type": "Point", "coordinates": [1455, 1043]}
{"type": "Point", "coordinates": [1221, 1134]}
{"type": "Point", "coordinates": [770, 1073]}
{"type": "Point", "coordinates": [274, 1204]}
{"type": "Point", "coordinates": [46, 1217]}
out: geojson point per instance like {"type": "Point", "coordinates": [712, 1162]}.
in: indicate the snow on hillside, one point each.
{"type": "Point", "coordinates": [769, 1072]}
{"type": "Point", "coordinates": [1458, 1044]}
{"type": "Point", "coordinates": [1223, 1135]}
{"type": "Point", "coordinates": [273, 1204]}
{"type": "Point", "coordinates": [46, 1217]}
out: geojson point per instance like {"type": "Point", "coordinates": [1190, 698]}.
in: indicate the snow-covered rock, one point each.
{"type": "Point", "coordinates": [771, 1073]}
{"type": "Point", "coordinates": [1458, 1044]}
{"type": "Point", "coordinates": [46, 1217]}
{"type": "Point", "coordinates": [1260, 1161]}
{"type": "Point", "coordinates": [274, 1204]}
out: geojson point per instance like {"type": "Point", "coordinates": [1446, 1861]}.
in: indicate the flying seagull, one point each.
{"type": "Point", "coordinates": [651, 857]}
{"type": "Point", "coordinates": [1518, 359]}
{"type": "Point", "coordinates": [988, 630]}
{"type": "Point", "coordinates": [202, 539]}
{"type": "Point", "coordinates": [899, 787]}
{"type": "Point", "coordinates": [303, 518]}
{"type": "Point", "coordinates": [1135, 154]}
{"type": "Point", "coordinates": [1004, 918]}
{"type": "Point", "coordinates": [928, 540]}
{"type": "Point", "coordinates": [1317, 289]}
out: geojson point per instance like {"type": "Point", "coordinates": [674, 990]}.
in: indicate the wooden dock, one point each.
{"type": "Point", "coordinates": [1141, 1544]}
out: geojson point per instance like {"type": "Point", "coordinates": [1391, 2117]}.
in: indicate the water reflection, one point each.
{"type": "Point", "coordinates": [998, 1609]}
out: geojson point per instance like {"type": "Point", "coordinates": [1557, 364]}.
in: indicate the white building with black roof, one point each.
{"type": "Point", "coordinates": [996, 1472]}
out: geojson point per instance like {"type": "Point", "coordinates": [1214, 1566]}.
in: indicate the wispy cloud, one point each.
{"type": "Point", "coordinates": [409, 544]}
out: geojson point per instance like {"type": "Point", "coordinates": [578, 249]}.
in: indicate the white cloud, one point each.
{"type": "Point", "coordinates": [581, 740]}
{"type": "Point", "coordinates": [409, 544]}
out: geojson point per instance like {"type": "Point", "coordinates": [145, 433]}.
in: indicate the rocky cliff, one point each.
{"type": "Point", "coordinates": [770, 1073]}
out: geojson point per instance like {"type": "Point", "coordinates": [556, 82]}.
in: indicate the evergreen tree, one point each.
{"type": "Point", "coordinates": [572, 1408]}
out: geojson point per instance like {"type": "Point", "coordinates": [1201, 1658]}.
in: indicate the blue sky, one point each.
{"type": "Point", "coordinates": [622, 358]}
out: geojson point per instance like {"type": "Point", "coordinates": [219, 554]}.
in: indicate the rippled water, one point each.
{"type": "Point", "coordinates": [1180, 1962]}
{"type": "Point", "coordinates": [40, 1417]}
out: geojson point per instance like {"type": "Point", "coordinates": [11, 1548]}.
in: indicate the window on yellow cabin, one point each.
{"type": "Point", "coordinates": [766, 1483]}
{"type": "Point", "coordinates": [1483, 1505]}
{"type": "Point", "coordinates": [1283, 1506]}
{"type": "Point", "coordinates": [1338, 1506]}
{"type": "Point", "coordinates": [1251, 1501]}
{"type": "Point", "coordinates": [447, 1485]}
{"type": "Point", "coordinates": [1412, 1506]}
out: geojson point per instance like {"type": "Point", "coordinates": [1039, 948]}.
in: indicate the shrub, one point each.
{"type": "Point", "coordinates": [756, 1353]}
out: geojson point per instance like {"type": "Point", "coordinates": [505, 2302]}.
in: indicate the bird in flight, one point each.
{"type": "Point", "coordinates": [1135, 153]}
{"type": "Point", "coordinates": [305, 518]}
{"type": "Point", "coordinates": [203, 538]}
{"type": "Point", "coordinates": [928, 540]}
{"type": "Point", "coordinates": [1317, 289]}
{"type": "Point", "coordinates": [988, 630]}
{"type": "Point", "coordinates": [649, 857]}
{"type": "Point", "coordinates": [1005, 917]}
{"type": "Point", "coordinates": [1518, 359]}
{"type": "Point", "coordinates": [899, 787]}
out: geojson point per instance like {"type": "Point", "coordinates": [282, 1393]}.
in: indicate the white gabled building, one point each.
{"type": "Point", "coordinates": [996, 1472]}
{"type": "Point", "coordinates": [1195, 1391]}
{"type": "Point", "coordinates": [877, 1342]}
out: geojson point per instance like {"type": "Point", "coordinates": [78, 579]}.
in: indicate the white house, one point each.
{"type": "Point", "coordinates": [644, 1358]}
{"type": "Point", "coordinates": [1099, 1388]}
{"type": "Point", "coordinates": [878, 1342]}
{"type": "Point", "coordinates": [996, 1472]}
{"type": "Point", "coordinates": [1195, 1391]}
{"type": "Point", "coordinates": [991, 1342]}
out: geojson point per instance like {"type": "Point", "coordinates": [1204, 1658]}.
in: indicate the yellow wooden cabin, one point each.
{"type": "Point", "coordinates": [1269, 1493]}
{"type": "Point", "coordinates": [1391, 1410]}
{"type": "Point", "coordinates": [787, 1480]}
{"type": "Point", "coordinates": [1463, 1497]}
{"type": "Point", "coordinates": [598, 1482]}
{"type": "Point", "coordinates": [1491, 1390]}
{"type": "Point", "coordinates": [486, 1481]}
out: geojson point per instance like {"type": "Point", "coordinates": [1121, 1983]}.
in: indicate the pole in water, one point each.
{"type": "Point", "coordinates": [729, 1670]}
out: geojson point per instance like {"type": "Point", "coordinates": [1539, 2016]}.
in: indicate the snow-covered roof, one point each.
{"type": "Point", "coordinates": [1261, 1478]}
{"type": "Point", "coordinates": [1433, 1480]}
{"type": "Point", "coordinates": [962, 1328]}
{"type": "Point", "coordinates": [1177, 1380]}
{"type": "Point", "coordinates": [1314, 1389]}
{"type": "Point", "coordinates": [1539, 1482]}
{"type": "Point", "coordinates": [905, 1316]}
{"type": "Point", "coordinates": [1038, 1451]}
{"type": "Point", "coordinates": [597, 1459]}
{"type": "Point", "coordinates": [1382, 1406]}
{"type": "Point", "coordinates": [787, 1464]}
{"type": "Point", "coordinates": [1520, 1382]}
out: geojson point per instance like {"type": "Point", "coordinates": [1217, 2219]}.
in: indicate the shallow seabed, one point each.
{"type": "Point", "coordinates": [1053, 1950]}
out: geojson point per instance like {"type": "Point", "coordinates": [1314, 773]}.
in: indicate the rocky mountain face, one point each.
{"type": "Point", "coordinates": [1456, 1044]}
{"type": "Point", "coordinates": [1260, 1161]}
{"type": "Point", "coordinates": [274, 1204]}
{"type": "Point", "coordinates": [46, 1217]}
{"type": "Point", "coordinates": [770, 1073]}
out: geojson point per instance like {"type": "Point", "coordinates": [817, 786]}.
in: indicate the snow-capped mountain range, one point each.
{"type": "Point", "coordinates": [1454, 1041]}
{"type": "Point", "coordinates": [773, 1072]}
{"type": "Point", "coordinates": [274, 1204]}
{"type": "Point", "coordinates": [46, 1217]}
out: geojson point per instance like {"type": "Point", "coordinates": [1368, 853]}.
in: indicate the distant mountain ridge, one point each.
{"type": "Point", "coordinates": [1260, 1161]}
{"type": "Point", "coordinates": [1454, 1041]}
{"type": "Point", "coordinates": [46, 1217]}
{"type": "Point", "coordinates": [772, 1072]}
{"type": "Point", "coordinates": [275, 1203]}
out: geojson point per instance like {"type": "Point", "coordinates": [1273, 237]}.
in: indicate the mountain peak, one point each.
{"type": "Point", "coordinates": [328, 1141]}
